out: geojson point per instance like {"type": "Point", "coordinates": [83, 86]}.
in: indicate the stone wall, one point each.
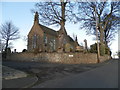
{"type": "Point", "coordinates": [66, 58]}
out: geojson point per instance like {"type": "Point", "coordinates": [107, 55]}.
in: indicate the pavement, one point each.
{"type": "Point", "coordinates": [10, 73]}
{"type": "Point", "coordinates": [24, 82]}
{"type": "Point", "coordinates": [13, 78]}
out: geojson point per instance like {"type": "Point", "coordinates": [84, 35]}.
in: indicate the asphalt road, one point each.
{"type": "Point", "coordinates": [102, 77]}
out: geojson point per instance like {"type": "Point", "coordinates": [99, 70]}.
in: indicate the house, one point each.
{"type": "Point", "coordinates": [44, 39]}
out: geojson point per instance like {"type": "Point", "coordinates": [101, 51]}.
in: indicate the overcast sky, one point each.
{"type": "Point", "coordinates": [20, 15]}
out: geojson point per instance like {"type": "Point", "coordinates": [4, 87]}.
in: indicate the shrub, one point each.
{"type": "Point", "coordinates": [6, 53]}
{"type": "Point", "coordinates": [107, 50]}
{"type": "Point", "coordinates": [103, 49]}
{"type": "Point", "coordinates": [24, 50]}
{"type": "Point", "coordinates": [93, 48]}
{"type": "Point", "coordinates": [68, 47]}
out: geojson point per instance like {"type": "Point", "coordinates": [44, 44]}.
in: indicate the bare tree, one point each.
{"type": "Point", "coordinates": [8, 32]}
{"type": "Point", "coordinates": [56, 13]}
{"type": "Point", "coordinates": [108, 18]}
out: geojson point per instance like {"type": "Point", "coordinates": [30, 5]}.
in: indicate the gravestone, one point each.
{"type": "Point", "coordinates": [86, 49]}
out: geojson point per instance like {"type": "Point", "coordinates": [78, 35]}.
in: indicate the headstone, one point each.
{"type": "Point", "coordinates": [14, 50]}
{"type": "Point", "coordinates": [86, 49]}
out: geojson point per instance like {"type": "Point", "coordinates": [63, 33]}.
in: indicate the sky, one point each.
{"type": "Point", "coordinates": [21, 16]}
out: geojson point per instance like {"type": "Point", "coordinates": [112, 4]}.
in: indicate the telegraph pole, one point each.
{"type": "Point", "coordinates": [0, 46]}
{"type": "Point", "coordinates": [98, 50]}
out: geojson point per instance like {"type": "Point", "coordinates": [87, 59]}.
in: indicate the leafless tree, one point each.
{"type": "Point", "coordinates": [8, 33]}
{"type": "Point", "coordinates": [108, 17]}
{"type": "Point", "coordinates": [56, 13]}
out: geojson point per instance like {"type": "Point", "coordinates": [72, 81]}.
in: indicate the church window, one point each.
{"type": "Point", "coordinates": [64, 41]}
{"type": "Point", "coordinates": [45, 38]}
{"type": "Point", "coordinates": [51, 45]}
{"type": "Point", "coordinates": [54, 44]}
{"type": "Point", "coordinates": [34, 41]}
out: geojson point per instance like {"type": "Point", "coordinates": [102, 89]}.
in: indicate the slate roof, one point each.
{"type": "Point", "coordinates": [49, 30]}
{"type": "Point", "coordinates": [71, 40]}
{"type": "Point", "coordinates": [54, 33]}
{"type": "Point", "coordinates": [61, 31]}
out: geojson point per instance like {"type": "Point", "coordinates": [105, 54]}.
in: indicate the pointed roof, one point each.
{"type": "Point", "coordinates": [36, 17]}
{"type": "Point", "coordinates": [71, 40]}
{"type": "Point", "coordinates": [49, 30]}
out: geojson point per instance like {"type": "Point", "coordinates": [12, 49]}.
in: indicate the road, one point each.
{"type": "Point", "coordinates": [102, 77]}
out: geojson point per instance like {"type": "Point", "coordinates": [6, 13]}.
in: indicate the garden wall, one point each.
{"type": "Point", "coordinates": [66, 58]}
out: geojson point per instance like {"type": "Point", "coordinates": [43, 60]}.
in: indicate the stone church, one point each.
{"type": "Point", "coordinates": [44, 39]}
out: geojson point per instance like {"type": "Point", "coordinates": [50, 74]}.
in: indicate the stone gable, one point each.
{"type": "Point", "coordinates": [44, 39]}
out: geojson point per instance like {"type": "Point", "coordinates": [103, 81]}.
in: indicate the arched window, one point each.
{"type": "Point", "coordinates": [64, 41]}
{"type": "Point", "coordinates": [45, 38]}
{"type": "Point", "coordinates": [34, 41]}
{"type": "Point", "coordinates": [54, 43]}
